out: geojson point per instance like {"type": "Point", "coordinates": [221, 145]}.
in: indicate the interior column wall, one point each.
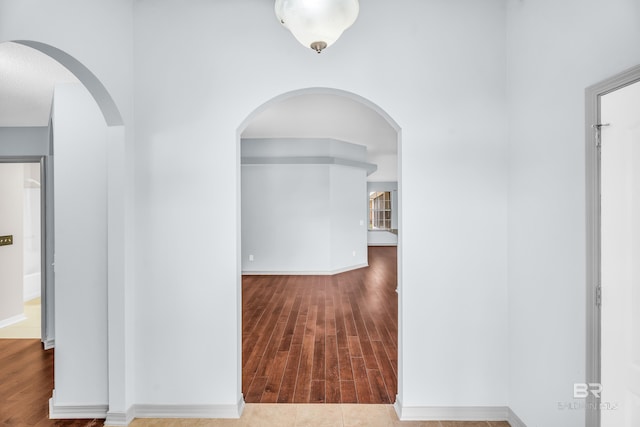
{"type": "Point", "coordinates": [80, 177]}
{"type": "Point", "coordinates": [348, 238]}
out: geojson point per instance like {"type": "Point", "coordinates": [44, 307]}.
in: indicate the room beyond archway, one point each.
{"type": "Point", "coordinates": [319, 312]}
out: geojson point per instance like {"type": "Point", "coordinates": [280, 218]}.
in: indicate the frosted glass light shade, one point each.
{"type": "Point", "coordinates": [317, 23]}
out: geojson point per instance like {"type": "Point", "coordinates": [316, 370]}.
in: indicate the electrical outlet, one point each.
{"type": "Point", "coordinates": [6, 240]}
{"type": "Point", "coordinates": [250, 257]}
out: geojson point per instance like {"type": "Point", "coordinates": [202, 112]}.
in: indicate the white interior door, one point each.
{"type": "Point", "coordinates": [620, 260]}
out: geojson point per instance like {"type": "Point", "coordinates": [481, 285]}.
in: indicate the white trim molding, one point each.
{"type": "Point", "coordinates": [453, 413]}
{"type": "Point", "coordinates": [241, 405]}
{"type": "Point", "coordinates": [309, 160]}
{"type": "Point", "coordinates": [31, 295]}
{"type": "Point", "coordinates": [305, 273]}
{"type": "Point", "coordinates": [12, 320]}
{"type": "Point", "coordinates": [75, 411]}
{"type": "Point", "coordinates": [397, 405]}
{"type": "Point", "coordinates": [123, 419]}
{"type": "Point", "coordinates": [514, 420]}
{"type": "Point", "coordinates": [189, 411]}
{"type": "Point", "coordinates": [119, 419]}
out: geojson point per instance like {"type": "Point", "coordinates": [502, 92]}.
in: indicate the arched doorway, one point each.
{"type": "Point", "coordinates": [89, 210]}
{"type": "Point", "coordinates": [312, 115]}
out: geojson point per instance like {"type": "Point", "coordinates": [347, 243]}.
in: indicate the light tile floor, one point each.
{"type": "Point", "coordinates": [28, 328]}
{"type": "Point", "coordinates": [313, 415]}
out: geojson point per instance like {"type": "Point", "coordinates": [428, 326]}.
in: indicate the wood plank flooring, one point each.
{"type": "Point", "coordinates": [322, 339]}
{"type": "Point", "coordinates": [26, 383]}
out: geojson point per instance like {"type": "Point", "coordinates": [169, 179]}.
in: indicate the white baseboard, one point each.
{"type": "Point", "coordinates": [123, 419]}
{"type": "Point", "coordinates": [188, 411]}
{"type": "Point", "coordinates": [30, 296]}
{"type": "Point", "coordinates": [514, 420]}
{"type": "Point", "coordinates": [49, 343]}
{"type": "Point", "coordinates": [12, 320]}
{"type": "Point", "coordinates": [352, 267]}
{"type": "Point", "coordinates": [397, 405]}
{"type": "Point", "coordinates": [75, 411]}
{"type": "Point", "coordinates": [304, 273]}
{"type": "Point", "coordinates": [119, 419]}
{"type": "Point", "coordinates": [182, 411]}
{"type": "Point", "coordinates": [411, 413]}
{"type": "Point", "coordinates": [241, 405]}
{"type": "Point", "coordinates": [453, 413]}
{"type": "Point", "coordinates": [457, 413]}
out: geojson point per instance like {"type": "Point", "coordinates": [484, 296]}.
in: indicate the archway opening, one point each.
{"type": "Point", "coordinates": [84, 124]}
{"type": "Point", "coordinates": [319, 324]}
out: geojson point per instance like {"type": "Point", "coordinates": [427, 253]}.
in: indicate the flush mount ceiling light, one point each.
{"type": "Point", "coordinates": [317, 23]}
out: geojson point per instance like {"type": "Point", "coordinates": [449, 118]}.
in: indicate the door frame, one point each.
{"type": "Point", "coordinates": [593, 95]}
{"type": "Point", "coordinates": [46, 244]}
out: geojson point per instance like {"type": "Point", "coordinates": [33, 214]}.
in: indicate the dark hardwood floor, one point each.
{"type": "Point", "coordinates": [306, 339]}
{"type": "Point", "coordinates": [325, 339]}
{"type": "Point", "coordinates": [26, 383]}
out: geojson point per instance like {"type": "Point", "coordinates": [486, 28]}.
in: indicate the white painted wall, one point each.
{"type": "Point", "coordinates": [80, 176]}
{"type": "Point", "coordinates": [555, 50]}
{"type": "Point", "coordinates": [104, 24]}
{"type": "Point", "coordinates": [11, 256]}
{"type": "Point", "coordinates": [444, 64]}
{"type": "Point", "coordinates": [387, 167]}
{"type": "Point", "coordinates": [286, 218]}
{"type": "Point", "coordinates": [348, 232]}
{"type": "Point", "coordinates": [24, 141]}
{"type": "Point", "coordinates": [26, 204]}
{"type": "Point", "coordinates": [301, 214]}
{"type": "Point", "coordinates": [32, 226]}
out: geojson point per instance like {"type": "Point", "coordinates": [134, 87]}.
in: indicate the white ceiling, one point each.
{"type": "Point", "coordinates": [27, 78]}
{"type": "Point", "coordinates": [325, 116]}
{"type": "Point", "coordinates": [331, 116]}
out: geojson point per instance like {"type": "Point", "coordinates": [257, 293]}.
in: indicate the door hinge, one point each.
{"type": "Point", "coordinates": [599, 296]}
{"type": "Point", "coordinates": [598, 133]}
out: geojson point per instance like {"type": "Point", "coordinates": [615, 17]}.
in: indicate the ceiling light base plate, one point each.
{"type": "Point", "coordinates": [318, 46]}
